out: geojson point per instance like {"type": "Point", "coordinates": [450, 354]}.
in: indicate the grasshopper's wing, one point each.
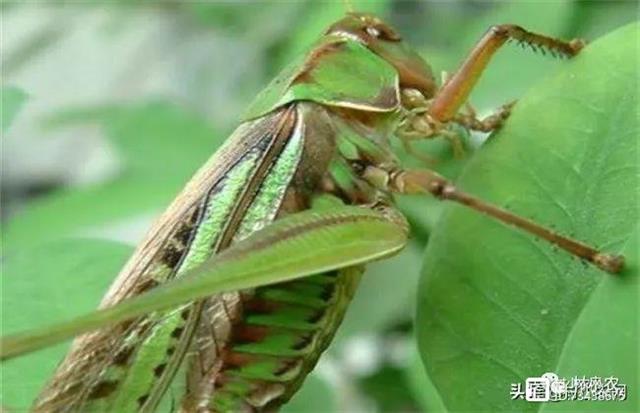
{"type": "Point", "coordinates": [255, 349]}
{"type": "Point", "coordinates": [142, 355]}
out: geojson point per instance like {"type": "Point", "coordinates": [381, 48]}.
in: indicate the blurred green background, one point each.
{"type": "Point", "coordinates": [109, 107]}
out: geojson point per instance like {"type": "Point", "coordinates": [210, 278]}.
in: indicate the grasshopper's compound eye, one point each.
{"type": "Point", "coordinates": [373, 32]}
{"type": "Point", "coordinates": [377, 29]}
{"type": "Point", "coordinates": [365, 28]}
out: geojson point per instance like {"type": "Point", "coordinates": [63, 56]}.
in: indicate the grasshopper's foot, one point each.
{"type": "Point", "coordinates": [418, 125]}
{"type": "Point", "coordinates": [469, 119]}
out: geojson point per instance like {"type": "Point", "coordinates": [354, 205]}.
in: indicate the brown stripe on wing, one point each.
{"type": "Point", "coordinates": [225, 322]}
{"type": "Point", "coordinates": [274, 139]}
{"type": "Point", "coordinates": [206, 356]}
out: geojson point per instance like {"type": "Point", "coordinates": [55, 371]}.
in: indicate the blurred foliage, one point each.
{"type": "Point", "coordinates": [383, 388]}
{"type": "Point", "coordinates": [315, 396]}
{"type": "Point", "coordinates": [160, 139]}
{"type": "Point", "coordinates": [11, 99]}
{"type": "Point", "coordinates": [144, 184]}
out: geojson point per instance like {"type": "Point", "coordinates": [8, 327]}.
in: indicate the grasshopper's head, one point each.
{"type": "Point", "coordinates": [378, 36]}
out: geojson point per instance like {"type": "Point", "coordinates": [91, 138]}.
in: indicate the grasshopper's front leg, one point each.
{"type": "Point", "coordinates": [455, 92]}
{"type": "Point", "coordinates": [428, 118]}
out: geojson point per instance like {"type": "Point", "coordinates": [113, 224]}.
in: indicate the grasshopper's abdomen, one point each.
{"type": "Point", "coordinates": [275, 342]}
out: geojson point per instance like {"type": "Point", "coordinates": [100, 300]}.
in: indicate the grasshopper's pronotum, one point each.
{"type": "Point", "coordinates": [321, 128]}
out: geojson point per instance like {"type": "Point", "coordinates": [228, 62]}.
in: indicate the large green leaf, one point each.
{"type": "Point", "coordinates": [496, 306]}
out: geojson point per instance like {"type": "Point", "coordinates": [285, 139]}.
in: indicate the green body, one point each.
{"type": "Point", "coordinates": [247, 350]}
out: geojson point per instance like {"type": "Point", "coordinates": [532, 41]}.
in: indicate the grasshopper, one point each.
{"type": "Point", "coordinates": [320, 131]}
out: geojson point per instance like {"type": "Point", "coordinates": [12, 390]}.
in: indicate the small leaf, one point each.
{"type": "Point", "coordinates": [497, 306]}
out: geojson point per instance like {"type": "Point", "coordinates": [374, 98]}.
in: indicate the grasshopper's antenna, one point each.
{"type": "Point", "coordinates": [420, 181]}
{"type": "Point", "coordinates": [348, 5]}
